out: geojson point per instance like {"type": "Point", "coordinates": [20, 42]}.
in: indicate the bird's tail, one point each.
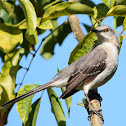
{"type": "Point", "coordinates": [9, 103]}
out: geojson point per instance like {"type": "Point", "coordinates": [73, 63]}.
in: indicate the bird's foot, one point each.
{"type": "Point", "coordinates": [97, 112]}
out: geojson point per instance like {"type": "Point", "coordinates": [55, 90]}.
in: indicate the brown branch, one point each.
{"type": "Point", "coordinates": [76, 28]}
{"type": "Point", "coordinates": [95, 100]}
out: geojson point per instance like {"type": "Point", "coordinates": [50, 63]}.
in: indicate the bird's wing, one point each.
{"type": "Point", "coordinates": [86, 71]}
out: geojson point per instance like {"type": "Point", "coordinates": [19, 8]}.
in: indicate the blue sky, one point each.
{"type": "Point", "coordinates": [41, 71]}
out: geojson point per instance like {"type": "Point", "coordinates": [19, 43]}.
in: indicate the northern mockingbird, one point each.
{"type": "Point", "coordinates": [88, 72]}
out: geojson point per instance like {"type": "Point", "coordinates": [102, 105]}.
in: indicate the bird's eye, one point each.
{"type": "Point", "coordinates": [106, 30]}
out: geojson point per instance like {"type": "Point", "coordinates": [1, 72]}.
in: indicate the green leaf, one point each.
{"type": "Point", "coordinates": [109, 3]}
{"type": "Point", "coordinates": [30, 16]}
{"type": "Point", "coordinates": [99, 13]}
{"type": "Point", "coordinates": [7, 7]}
{"type": "Point", "coordinates": [88, 28]}
{"type": "Point", "coordinates": [56, 107]}
{"type": "Point", "coordinates": [46, 25]}
{"type": "Point", "coordinates": [8, 75]}
{"type": "Point", "coordinates": [89, 41]}
{"type": "Point", "coordinates": [32, 39]}
{"type": "Point", "coordinates": [19, 14]}
{"type": "Point", "coordinates": [66, 8]}
{"type": "Point", "coordinates": [119, 10]}
{"type": "Point", "coordinates": [24, 106]}
{"type": "Point", "coordinates": [124, 24]}
{"type": "Point", "coordinates": [51, 4]}
{"type": "Point", "coordinates": [88, 2]}
{"type": "Point", "coordinates": [68, 101]}
{"type": "Point", "coordinates": [57, 36]}
{"type": "Point", "coordinates": [120, 2]}
{"type": "Point", "coordinates": [10, 37]}
{"type": "Point", "coordinates": [118, 21]}
{"type": "Point", "coordinates": [120, 38]}
{"type": "Point", "coordinates": [33, 114]}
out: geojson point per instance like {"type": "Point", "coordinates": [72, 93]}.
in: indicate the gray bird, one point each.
{"type": "Point", "coordinates": [88, 72]}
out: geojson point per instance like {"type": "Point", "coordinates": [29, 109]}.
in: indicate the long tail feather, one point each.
{"type": "Point", "coordinates": [40, 88]}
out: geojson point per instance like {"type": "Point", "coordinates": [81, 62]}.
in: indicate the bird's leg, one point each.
{"type": "Point", "coordinates": [92, 110]}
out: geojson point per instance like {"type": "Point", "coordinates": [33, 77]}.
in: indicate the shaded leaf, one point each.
{"type": "Point", "coordinates": [24, 106]}
{"type": "Point", "coordinates": [30, 15]}
{"type": "Point", "coordinates": [56, 107]}
{"type": "Point", "coordinates": [19, 13]}
{"type": "Point", "coordinates": [99, 13]}
{"type": "Point", "coordinates": [89, 41]}
{"type": "Point", "coordinates": [88, 28]}
{"type": "Point", "coordinates": [10, 37]}
{"type": "Point", "coordinates": [120, 2]}
{"type": "Point", "coordinates": [57, 36]}
{"type": "Point", "coordinates": [51, 4]}
{"type": "Point", "coordinates": [4, 17]}
{"type": "Point", "coordinates": [66, 8]}
{"type": "Point", "coordinates": [32, 39]}
{"type": "Point", "coordinates": [118, 21]}
{"type": "Point", "coordinates": [68, 101]}
{"type": "Point", "coordinates": [109, 3]}
{"type": "Point", "coordinates": [88, 2]}
{"type": "Point", "coordinates": [119, 10]}
{"type": "Point", "coordinates": [7, 7]}
{"type": "Point", "coordinates": [124, 24]}
{"type": "Point", "coordinates": [8, 75]}
{"type": "Point", "coordinates": [33, 114]}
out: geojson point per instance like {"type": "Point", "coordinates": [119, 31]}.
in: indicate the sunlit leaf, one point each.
{"type": "Point", "coordinates": [56, 107]}
{"type": "Point", "coordinates": [124, 24]}
{"type": "Point", "coordinates": [8, 75]}
{"type": "Point", "coordinates": [57, 36]}
{"type": "Point", "coordinates": [33, 114]}
{"type": "Point", "coordinates": [109, 3]}
{"type": "Point", "coordinates": [24, 106]}
{"type": "Point", "coordinates": [89, 41]}
{"type": "Point", "coordinates": [119, 10]}
{"type": "Point", "coordinates": [44, 25]}
{"type": "Point", "coordinates": [30, 15]}
{"type": "Point", "coordinates": [99, 13]}
{"type": "Point", "coordinates": [120, 38]}
{"type": "Point", "coordinates": [32, 39]}
{"type": "Point", "coordinates": [66, 8]}
{"type": "Point", "coordinates": [68, 101]}
{"type": "Point", "coordinates": [10, 37]}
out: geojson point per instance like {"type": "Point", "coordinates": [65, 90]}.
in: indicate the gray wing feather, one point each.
{"type": "Point", "coordinates": [86, 70]}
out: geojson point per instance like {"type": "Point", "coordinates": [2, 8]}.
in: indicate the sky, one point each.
{"type": "Point", "coordinates": [42, 71]}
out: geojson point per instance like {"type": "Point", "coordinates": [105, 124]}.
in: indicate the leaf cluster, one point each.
{"type": "Point", "coordinates": [20, 24]}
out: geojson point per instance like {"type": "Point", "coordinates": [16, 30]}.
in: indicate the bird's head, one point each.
{"type": "Point", "coordinates": [106, 34]}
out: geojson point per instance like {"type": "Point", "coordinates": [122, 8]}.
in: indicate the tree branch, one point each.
{"type": "Point", "coordinates": [95, 99]}
{"type": "Point", "coordinates": [76, 28]}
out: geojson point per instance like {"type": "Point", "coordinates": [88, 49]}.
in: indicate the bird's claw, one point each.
{"type": "Point", "coordinates": [97, 112]}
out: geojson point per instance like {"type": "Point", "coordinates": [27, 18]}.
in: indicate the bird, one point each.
{"type": "Point", "coordinates": [88, 72]}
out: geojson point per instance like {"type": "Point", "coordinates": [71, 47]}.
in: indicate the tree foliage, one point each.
{"type": "Point", "coordinates": [22, 21]}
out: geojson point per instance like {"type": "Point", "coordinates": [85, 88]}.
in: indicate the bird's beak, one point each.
{"type": "Point", "coordinates": [94, 30]}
